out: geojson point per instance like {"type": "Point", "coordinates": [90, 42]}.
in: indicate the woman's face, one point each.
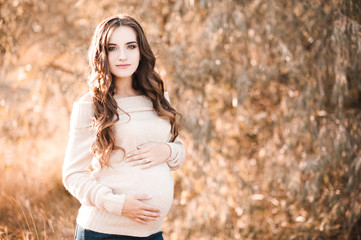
{"type": "Point", "coordinates": [123, 53]}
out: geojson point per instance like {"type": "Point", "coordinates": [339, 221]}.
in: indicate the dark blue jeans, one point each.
{"type": "Point", "coordinates": [85, 234]}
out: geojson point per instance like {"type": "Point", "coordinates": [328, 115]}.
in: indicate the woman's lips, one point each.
{"type": "Point", "coordinates": [122, 65]}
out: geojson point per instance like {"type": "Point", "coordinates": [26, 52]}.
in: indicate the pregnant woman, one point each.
{"type": "Point", "coordinates": [123, 139]}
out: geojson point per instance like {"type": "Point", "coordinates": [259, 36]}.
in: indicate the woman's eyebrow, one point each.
{"type": "Point", "coordinates": [132, 42]}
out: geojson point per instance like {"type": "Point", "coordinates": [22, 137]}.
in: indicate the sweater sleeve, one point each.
{"type": "Point", "coordinates": [76, 176]}
{"type": "Point", "coordinates": [178, 154]}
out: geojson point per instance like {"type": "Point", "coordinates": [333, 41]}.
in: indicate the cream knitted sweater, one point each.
{"type": "Point", "coordinates": [102, 191]}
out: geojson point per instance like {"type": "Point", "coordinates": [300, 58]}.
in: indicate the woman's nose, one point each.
{"type": "Point", "coordinates": [122, 54]}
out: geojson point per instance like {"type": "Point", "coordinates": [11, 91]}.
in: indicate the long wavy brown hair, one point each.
{"type": "Point", "coordinates": [102, 85]}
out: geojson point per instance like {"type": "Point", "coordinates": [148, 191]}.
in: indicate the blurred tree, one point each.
{"type": "Point", "coordinates": [270, 92]}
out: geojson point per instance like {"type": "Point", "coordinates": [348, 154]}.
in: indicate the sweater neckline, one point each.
{"type": "Point", "coordinates": [135, 103]}
{"type": "Point", "coordinates": [128, 104]}
{"type": "Point", "coordinates": [132, 96]}
{"type": "Point", "coordinates": [132, 100]}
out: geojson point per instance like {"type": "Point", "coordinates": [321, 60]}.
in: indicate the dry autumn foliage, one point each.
{"type": "Point", "coordinates": [270, 93]}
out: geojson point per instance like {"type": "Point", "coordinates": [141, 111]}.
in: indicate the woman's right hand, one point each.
{"type": "Point", "coordinates": [138, 211]}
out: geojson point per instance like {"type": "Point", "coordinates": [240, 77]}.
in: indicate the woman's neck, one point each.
{"type": "Point", "coordinates": [124, 88]}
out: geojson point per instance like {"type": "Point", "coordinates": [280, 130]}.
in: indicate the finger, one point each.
{"type": "Point", "coordinates": [150, 208]}
{"type": "Point", "coordinates": [144, 146]}
{"type": "Point", "coordinates": [150, 214]}
{"type": "Point", "coordinates": [144, 161]}
{"type": "Point", "coordinates": [136, 157]}
{"type": "Point", "coordinates": [139, 220]}
{"type": "Point", "coordinates": [137, 152]}
{"type": "Point", "coordinates": [146, 218]}
{"type": "Point", "coordinates": [134, 154]}
{"type": "Point", "coordinates": [142, 196]}
{"type": "Point", "coordinates": [149, 165]}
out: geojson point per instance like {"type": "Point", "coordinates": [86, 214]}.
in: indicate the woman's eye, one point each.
{"type": "Point", "coordinates": [132, 46]}
{"type": "Point", "coordinates": [111, 48]}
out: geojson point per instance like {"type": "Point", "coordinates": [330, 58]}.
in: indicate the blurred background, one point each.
{"type": "Point", "coordinates": [270, 93]}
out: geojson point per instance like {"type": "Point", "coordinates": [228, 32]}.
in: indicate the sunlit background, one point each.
{"type": "Point", "coordinates": [270, 93]}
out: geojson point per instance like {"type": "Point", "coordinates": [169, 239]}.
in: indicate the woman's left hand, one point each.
{"type": "Point", "coordinates": [149, 155]}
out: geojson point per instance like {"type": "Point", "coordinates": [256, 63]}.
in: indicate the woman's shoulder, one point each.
{"type": "Point", "coordinates": [166, 95]}
{"type": "Point", "coordinates": [84, 101]}
{"type": "Point", "coordinates": [82, 112]}
{"type": "Point", "coordinates": [86, 98]}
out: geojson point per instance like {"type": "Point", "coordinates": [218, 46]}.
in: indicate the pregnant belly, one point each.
{"type": "Point", "coordinates": [156, 181]}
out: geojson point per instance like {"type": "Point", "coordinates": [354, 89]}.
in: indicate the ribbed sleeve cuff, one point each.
{"type": "Point", "coordinates": [114, 203]}
{"type": "Point", "coordinates": [176, 158]}
{"type": "Point", "coordinates": [172, 152]}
